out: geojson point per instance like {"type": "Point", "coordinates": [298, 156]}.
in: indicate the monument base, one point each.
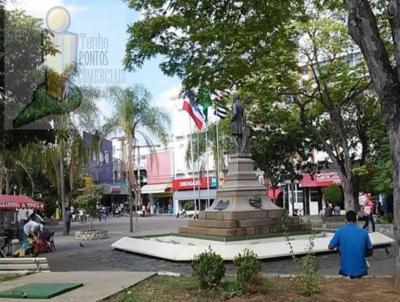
{"type": "Point", "coordinates": [241, 207]}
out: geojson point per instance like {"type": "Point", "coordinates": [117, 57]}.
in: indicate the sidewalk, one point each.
{"type": "Point", "coordinates": [96, 285]}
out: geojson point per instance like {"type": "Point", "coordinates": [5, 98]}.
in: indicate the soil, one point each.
{"type": "Point", "coordinates": [333, 290]}
{"type": "Point", "coordinates": [185, 289]}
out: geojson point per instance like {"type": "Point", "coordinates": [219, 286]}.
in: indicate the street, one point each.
{"type": "Point", "coordinates": [97, 255]}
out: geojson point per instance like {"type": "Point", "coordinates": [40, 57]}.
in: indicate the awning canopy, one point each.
{"type": "Point", "coordinates": [16, 202]}
{"type": "Point", "coordinates": [188, 195]}
{"type": "Point", "coordinates": [273, 193]}
{"type": "Point", "coordinates": [156, 188]}
{"type": "Point", "coordinates": [308, 182]}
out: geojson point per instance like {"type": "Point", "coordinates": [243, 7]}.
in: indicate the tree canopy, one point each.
{"type": "Point", "coordinates": [214, 42]}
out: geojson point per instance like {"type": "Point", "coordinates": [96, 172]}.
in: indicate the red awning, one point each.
{"type": "Point", "coordinates": [273, 193]}
{"type": "Point", "coordinates": [308, 182]}
{"type": "Point", "coordinates": [16, 202]}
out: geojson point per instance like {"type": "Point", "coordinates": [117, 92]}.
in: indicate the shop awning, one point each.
{"type": "Point", "coordinates": [188, 195]}
{"type": "Point", "coordinates": [311, 182]}
{"type": "Point", "coordinates": [156, 188]}
{"type": "Point", "coordinates": [273, 193]}
{"type": "Point", "coordinates": [16, 202]}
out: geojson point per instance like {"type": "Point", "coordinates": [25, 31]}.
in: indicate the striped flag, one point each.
{"type": "Point", "coordinates": [221, 112]}
{"type": "Point", "coordinates": [193, 109]}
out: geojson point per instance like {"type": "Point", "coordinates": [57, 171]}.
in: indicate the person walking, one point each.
{"type": "Point", "coordinates": [368, 211]}
{"type": "Point", "coordinates": [68, 217]}
{"type": "Point", "coordinates": [353, 244]}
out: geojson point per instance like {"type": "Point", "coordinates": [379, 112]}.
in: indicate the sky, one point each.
{"type": "Point", "coordinates": [99, 27]}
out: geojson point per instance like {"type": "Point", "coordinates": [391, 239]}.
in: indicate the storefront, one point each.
{"type": "Point", "coordinates": [304, 196]}
{"type": "Point", "coordinates": [115, 194]}
{"type": "Point", "coordinates": [313, 190]}
{"type": "Point", "coordinates": [160, 198]}
{"type": "Point", "coordinates": [204, 192]}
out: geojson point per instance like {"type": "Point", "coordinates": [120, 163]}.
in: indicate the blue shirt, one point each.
{"type": "Point", "coordinates": [352, 243]}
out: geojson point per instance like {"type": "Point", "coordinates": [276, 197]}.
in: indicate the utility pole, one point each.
{"type": "Point", "coordinates": [62, 191]}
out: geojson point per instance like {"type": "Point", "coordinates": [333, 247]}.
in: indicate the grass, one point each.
{"type": "Point", "coordinates": [185, 289]}
{"type": "Point", "coordinates": [165, 288]}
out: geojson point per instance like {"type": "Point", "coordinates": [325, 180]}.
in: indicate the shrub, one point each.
{"type": "Point", "coordinates": [307, 283]}
{"type": "Point", "coordinates": [333, 194]}
{"type": "Point", "coordinates": [208, 268]}
{"type": "Point", "coordinates": [248, 270]}
{"type": "Point", "coordinates": [388, 218]}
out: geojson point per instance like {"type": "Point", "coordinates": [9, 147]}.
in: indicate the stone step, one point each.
{"type": "Point", "coordinates": [213, 231]}
{"type": "Point", "coordinates": [256, 214]}
{"type": "Point", "coordinates": [259, 222]}
{"type": "Point", "coordinates": [243, 231]}
{"type": "Point", "coordinates": [224, 224]}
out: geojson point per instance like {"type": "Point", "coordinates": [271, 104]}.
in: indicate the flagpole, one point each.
{"type": "Point", "coordinates": [208, 177]}
{"type": "Point", "coordinates": [192, 164]}
{"type": "Point", "coordinates": [218, 162]}
{"type": "Point", "coordinates": [198, 167]}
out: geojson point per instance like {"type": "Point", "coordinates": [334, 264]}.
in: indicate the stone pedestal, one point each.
{"type": "Point", "coordinates": [241, 207]}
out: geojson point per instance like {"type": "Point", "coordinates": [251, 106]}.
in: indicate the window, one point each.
{"type": "Point", "coordinates": [314, 196]}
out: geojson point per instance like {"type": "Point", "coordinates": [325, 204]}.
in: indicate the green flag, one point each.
{"type": "Point", "coordinates": [203, 98]}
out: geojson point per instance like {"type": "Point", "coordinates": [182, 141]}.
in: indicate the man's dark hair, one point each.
{"type": "Point", "coordinates": [351, 216]}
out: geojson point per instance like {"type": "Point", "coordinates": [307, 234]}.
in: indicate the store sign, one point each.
{"type": "Point", "coordinates": [187, 183]}
{"type": "Point", "coordinates": [115, 190]}
{"type": "Point", "coordinates": [328, 176]}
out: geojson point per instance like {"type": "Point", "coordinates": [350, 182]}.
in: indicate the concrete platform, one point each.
{"type": "Point", "coordinates": [96, 285]}
{"type": "Point", "coordinates": [177, 248]}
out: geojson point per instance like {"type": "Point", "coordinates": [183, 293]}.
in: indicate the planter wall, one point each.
{"type": "Point", "coordinates": [91, 235]}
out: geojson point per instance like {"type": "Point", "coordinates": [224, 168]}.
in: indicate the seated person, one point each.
{"type": "Point", "coordinates": [45, 233]}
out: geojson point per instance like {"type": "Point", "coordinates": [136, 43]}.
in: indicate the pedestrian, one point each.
{"type": "Point", "coordinates": [354, 245]}
{"type": "Point", "coordinates": [143, 210]}
{"type": "Point", "coordinates": [369, 210]}
{"type": "Point", "coordinates": [68, 217]}
{"type": "Point", "coordinates": [149, 210]}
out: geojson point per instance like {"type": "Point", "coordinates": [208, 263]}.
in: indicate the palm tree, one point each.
{"type": "Point", "coordinates": [137, 119]}
{"type": "Point", "coordinates": [69, 149]}
{"type": "Point", "coordinates": [201, 140]}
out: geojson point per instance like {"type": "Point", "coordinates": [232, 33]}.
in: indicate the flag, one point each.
{"type": "Point", "coordinates": [221, 112]}
{"type": "Point", "coordinates": [194, 110]}
{"type": "Point", "coordinates": [204, 98]}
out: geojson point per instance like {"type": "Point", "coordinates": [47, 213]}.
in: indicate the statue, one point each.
{"type": "Point", "coordinates": [239, 129]}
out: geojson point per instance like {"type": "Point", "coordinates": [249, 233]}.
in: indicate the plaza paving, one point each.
{"type": "Point", "coordinates": [96, 285]}
{"type": "Point", "coordinates": [99, 256]}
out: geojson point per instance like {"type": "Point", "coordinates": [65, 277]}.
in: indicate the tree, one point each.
{"type": "Point", "coordinates": [214, 42]}
{"type": "Point", "coordinates": [202, 155]}
{"type": "Point", "coordinates": [336, 103]}
{"type": "Point", "coordinates": [68, 149]}
{"type": "Point", "coordinates": [138, 121]}
{"type": "Point", "coordinates": [383, 63]}
{"type": "Point", "coordinates": [89, 201]}
{"type": "Point", "coordinates": [279, 145]}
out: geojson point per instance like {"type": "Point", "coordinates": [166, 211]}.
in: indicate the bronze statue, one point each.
{"type": "Point", "coordinates": [239, 129]}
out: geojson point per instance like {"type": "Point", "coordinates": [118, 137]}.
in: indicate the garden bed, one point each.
{"type": "Point", "coordinates": [163, 288]}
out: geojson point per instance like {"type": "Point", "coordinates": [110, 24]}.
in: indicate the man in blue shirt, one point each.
{"type": "Point", "coordinates": [354, 245]}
